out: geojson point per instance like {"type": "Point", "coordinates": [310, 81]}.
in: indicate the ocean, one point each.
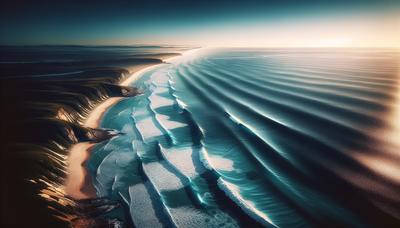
{"type": "Point", "coordinates": [258, 137]}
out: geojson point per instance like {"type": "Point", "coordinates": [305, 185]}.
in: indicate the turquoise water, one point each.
{"type": "Point", "coordinates": [254, 137]}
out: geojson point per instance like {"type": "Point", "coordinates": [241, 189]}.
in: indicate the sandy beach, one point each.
{"type": "Point", "coordinates": [48, 100]}
{"type": "Point", "coordinates": [78, 184]}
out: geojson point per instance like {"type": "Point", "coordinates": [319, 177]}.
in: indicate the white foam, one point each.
{"type": "Point", "coordinates": [148, 130]}
{"type": "Point", "coordinates": [221, 163]}
{"type": "Point", "coordinates": [162, 178]}
{"type": "Point", "coordinates": [245, 204]}
{"type": "Point", "coordinates": [141, 208]}
{"type": "Point", "coordinates": [160, 101]}
{"type": "Point", "coordinates": [161, 90]}
{"type": "Point", "coordinates": [185, 215]}
{"type": "Point", "coordinates": [181, 159]}
{"type": "Point", "coordinates": [215, 162]}
{"type": "Point", "coordinates": [160, 78]}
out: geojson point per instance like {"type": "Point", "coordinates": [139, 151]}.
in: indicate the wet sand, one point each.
{"type": "Point", "coordinates": [78, 184]}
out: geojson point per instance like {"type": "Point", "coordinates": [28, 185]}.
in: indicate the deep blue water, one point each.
{"type": "Point", "coordinates": [76, 61]}
{"type": "Point", "coordinates": [245, 137]}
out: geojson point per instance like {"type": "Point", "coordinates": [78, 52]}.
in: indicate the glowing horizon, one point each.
{"type": "Point", "coordinates": [353, 31]}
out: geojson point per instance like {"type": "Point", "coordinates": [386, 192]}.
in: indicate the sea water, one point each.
{"type": "Point", "coordinates": [270, 137]}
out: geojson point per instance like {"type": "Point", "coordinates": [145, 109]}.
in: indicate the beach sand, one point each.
{"type": "Point", "coordinates": [78, 184]}
{"type": "Point", "coordinates": [48, 99]}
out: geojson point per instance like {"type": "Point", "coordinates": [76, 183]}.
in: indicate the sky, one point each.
{"type": "Point", "coordinates": [245, 23]}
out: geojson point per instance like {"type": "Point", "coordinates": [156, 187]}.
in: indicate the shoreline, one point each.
{"type": "Point", "coordinates": [78, 184]}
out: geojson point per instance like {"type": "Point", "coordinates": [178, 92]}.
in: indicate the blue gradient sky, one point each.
{"type": "Point", "coordinates": [204, 23]}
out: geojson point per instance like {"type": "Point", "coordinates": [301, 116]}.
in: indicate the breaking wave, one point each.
{"type": "Point", "coordinates": [234, 137]}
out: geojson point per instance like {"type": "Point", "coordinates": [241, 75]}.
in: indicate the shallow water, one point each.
{"type": "Point", "coordinates": [239, 137]}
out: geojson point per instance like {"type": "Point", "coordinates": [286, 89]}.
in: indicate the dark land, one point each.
{"type": "Point", "coordinates": [46, 92]}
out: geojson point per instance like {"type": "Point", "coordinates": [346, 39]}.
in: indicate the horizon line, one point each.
{"type": "Point", "coordinates": [196, 46]}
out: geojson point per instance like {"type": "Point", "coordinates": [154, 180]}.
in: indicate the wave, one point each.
{"type": "Point", "coordinates": [236, 137]}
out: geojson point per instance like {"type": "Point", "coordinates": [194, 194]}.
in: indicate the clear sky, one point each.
{"type": "Point", "coordinates": [351, 23]}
